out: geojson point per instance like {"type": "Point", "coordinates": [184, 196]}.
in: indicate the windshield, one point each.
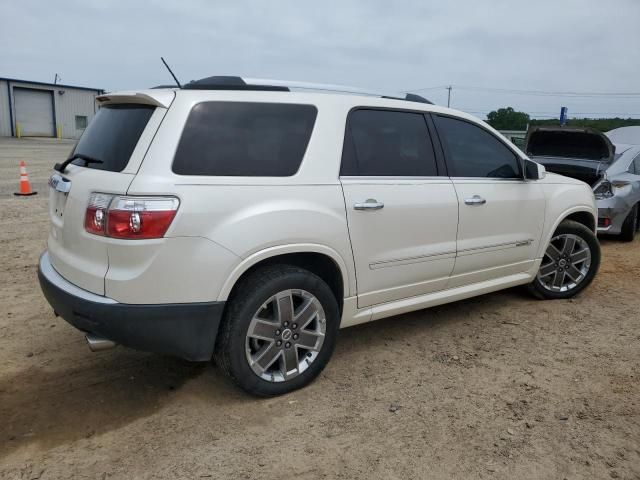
{"type": "Point", "coordinates": [112, 136]}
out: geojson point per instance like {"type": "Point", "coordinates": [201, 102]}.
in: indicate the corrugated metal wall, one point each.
{"type": "Point", "coordinates": [69, 102]}
{"type": "Point", "coordinates": [5, 122]}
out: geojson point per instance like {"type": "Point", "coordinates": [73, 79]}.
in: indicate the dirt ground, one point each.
{"type": "Point", "coordinates": [499, 386]}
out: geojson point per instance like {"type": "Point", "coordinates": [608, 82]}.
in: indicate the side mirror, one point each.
{"type": "Point", "coordinates": [534, 171]}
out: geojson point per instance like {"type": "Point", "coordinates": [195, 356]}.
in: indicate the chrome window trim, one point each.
{"type": "Point", "coordinates": [388, 178]}
{"type": "Point", "coordinates": [492, 179]}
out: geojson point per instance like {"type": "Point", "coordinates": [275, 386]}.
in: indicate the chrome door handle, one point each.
{"type": "Point", "coordinates": [370, 204]}
{"type": "Point", "coordinates": [475, 200]}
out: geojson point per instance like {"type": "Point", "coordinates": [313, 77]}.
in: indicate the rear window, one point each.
{"type": "Point", "coordinates": [112, 136]}
{"type": "Point", "coordinates": [244, 139]}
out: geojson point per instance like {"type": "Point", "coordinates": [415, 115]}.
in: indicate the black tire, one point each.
{"type": "Point", "coordinates": [572, 228]}
{"type": "Point", "coordinates": [247, 298]}
{"type": "Point", "coordinates": [630, 225]}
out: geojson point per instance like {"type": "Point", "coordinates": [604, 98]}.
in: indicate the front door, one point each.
{"type": "Point", "coordinates": [402, 216]}
{"type": "Point", "coordinates": [501, 214]}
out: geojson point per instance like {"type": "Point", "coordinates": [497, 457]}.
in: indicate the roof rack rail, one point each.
{"type": "Point", "coordinates": [260, 84]}
{"type": "Point", "coordinates": [229, 83]}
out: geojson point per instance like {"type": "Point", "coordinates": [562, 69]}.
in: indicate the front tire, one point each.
{"type": "Point", "coordinates": [279, 330]}
{"type": "Point", "coordinates": [570, 262]}
{"type": "Point", "coordinates": [630, 225]}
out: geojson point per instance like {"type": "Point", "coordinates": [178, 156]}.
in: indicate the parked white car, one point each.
{"type": "Point", "coordinates": [250, 221]}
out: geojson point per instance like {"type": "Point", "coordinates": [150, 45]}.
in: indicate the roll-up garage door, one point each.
{"type": "Point", "coordinates": [34, 112]}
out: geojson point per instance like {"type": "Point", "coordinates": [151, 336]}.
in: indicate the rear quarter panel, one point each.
{"type": "Point", "coordinates": [245, 219]}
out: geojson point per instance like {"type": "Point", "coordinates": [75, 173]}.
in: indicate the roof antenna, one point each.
{"type": "Point", "coordinates": [171, 72]}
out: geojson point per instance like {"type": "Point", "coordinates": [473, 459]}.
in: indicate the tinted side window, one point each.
{"type": "Point", "coordinates": [474, 152]}
{"type": "Point", "coordinates": [244, 139]}
{"type": "Point", "coordinates": [386, 143]}
{"type": "Point", "coordinates": [112, 136]}
{"type": "Point", "coordinates": [635, 166]}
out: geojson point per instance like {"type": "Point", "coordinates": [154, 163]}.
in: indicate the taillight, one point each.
{"type": "Point", "coordinates": [130, 217]}
{"type": "Point", "coordinates": [141, 217]}
{"type": "Point", "coordinates": [95, 218]}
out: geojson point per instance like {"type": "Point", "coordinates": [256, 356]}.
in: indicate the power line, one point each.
{"type": "Point", "coordinates": [556, 113]}
{"type": "Point", "coordinates": [547, 93]}
{"type": "Point", "coordinates": [439, 87]}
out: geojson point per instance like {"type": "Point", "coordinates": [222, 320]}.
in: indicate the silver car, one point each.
{"type": "Point", "coordinates": [609, 163]}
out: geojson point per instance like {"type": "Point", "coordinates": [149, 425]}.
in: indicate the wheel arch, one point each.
{"type": "Point", "coordinates": [581, 214]}
{"type": "Point", "coordinates": [584, 217]}
{"type": "Point", "coordinates": [318, 259]}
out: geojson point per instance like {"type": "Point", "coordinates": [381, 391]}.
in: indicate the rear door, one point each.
{"type": "Point", "coordinates": [118, 136]}
{"type": "Point", "coordinates": [402, 215]}
{"type": "Point", "coordinates": [501, 214]}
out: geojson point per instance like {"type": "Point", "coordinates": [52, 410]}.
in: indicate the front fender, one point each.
{"type": "Point", "coordinates": [563, 201]}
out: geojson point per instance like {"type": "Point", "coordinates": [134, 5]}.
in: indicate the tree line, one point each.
{"type": "Point", "coordinates": [510, 119]}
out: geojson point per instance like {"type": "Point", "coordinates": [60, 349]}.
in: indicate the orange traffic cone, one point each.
{"type": "Point", "coordinates": [25, 185]}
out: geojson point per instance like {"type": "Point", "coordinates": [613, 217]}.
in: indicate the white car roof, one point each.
{"type": "Point", "coordinates": [624, 135]}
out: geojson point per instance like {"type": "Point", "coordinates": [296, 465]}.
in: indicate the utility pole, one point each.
{"type": "Point", "coordinates": [55, 79]}
{"type": "Point", "coordinates": [449, 96]}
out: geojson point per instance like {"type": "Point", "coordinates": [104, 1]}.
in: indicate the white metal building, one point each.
{"type": "Point", "coordinates": [36, 109]}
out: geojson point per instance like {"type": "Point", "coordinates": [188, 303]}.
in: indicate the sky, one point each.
{"type": "Point", "coordinates": [480, 48]}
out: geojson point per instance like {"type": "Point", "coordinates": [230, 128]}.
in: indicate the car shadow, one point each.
{"type": "Point", "coordinates": [52, 407]}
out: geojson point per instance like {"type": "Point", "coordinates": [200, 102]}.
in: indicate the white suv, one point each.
{"type": "Point", "coordinates": [250, 221]}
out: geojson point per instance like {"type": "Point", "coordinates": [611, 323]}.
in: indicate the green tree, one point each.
{"type": "Point", "coordinates": [508, 119]}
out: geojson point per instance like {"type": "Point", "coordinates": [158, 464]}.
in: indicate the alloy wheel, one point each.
{"type": "Point", "coordinates": [285, 335]}
{"type": "Point", "coordinates": [565, 264]}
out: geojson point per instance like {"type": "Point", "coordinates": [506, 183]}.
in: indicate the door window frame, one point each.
{"type": "Point", "coordinates": [441, 167]}
{"type": "Point", "coordinates": [447, 156]}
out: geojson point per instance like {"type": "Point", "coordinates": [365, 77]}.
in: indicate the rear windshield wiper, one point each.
{"type": "Point", "coordinates": [87, 160]}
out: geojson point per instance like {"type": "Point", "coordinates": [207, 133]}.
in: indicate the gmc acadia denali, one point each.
{"type": "Point", "coordinates": [249, 220]}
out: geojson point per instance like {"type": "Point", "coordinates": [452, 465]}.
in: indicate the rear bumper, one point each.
{"type": "Point", "coordinates": [185, 330]}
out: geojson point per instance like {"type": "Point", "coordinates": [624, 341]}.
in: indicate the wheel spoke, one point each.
{"type": "Point", "coordinates": [547, 270]}
{"type": "Point", "coordinates": [263, 329]}
{"type": "Point", "coordinates": [285, 307]}
{"type": "Point", "coordinates": [573, 273]}
{"type": "Point", "coordinates": [580, 256]}
{"type": "Point", "coordinates": [569, 245]}
{"type": "Point", "coordinates": [305, 313]}
{"type": "Point", "coordinates": [558, 280]}
{"type": "Point", "coordinates": [553, 253]}
{"type": "Point", "coordinates": [309, 340]}
{"type": "Point", "coordinates": [290, 360]}
{"type": "Point", "coordinates": [267, 356]}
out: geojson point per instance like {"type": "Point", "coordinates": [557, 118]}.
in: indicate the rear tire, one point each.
{"type": "Point", "coordinates": [279, 330]}
{"type": "Point", "coordinates": [630, 225]}
{"type": "Point", "coordinates": [570, 262]}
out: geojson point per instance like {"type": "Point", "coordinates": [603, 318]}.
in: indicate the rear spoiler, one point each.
{"type": "Point", "coordinates": [158, 98]}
